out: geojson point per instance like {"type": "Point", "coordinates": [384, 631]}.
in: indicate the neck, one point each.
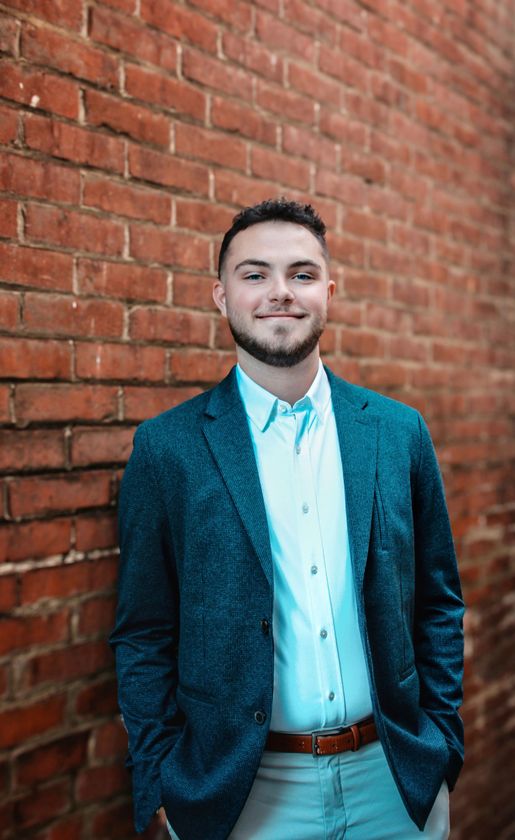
{"type": "Point", "coordinates": [287, 383]}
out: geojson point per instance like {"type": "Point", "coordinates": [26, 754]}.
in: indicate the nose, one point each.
{"type": "Point", "coordinates": [279, 290]}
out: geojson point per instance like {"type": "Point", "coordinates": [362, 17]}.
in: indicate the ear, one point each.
{"type": "Point", "coordinates": [219, 297]}
{"type": "Point", "coordinates": [331, 287]}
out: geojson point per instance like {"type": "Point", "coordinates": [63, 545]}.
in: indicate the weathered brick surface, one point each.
{"type": "Point", "coordinates": [130, 133]}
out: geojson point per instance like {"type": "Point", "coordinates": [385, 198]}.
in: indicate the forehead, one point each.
{"type": "Point", "coordinates": [275, 242]}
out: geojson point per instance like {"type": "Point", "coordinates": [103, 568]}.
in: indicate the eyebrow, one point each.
{"type": "Point", "coordinates": [265, 264]}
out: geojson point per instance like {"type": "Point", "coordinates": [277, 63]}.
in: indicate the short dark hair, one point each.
{"type": "Point", "coordinates": [274, 210]}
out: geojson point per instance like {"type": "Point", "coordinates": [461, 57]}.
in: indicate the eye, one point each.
{"type": "Point", "coordinates": [303, 276]}
{"type": "Point", "coordinates": [253, 276]}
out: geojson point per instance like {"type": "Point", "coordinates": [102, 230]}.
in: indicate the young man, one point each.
{"type": "Point", "coordinates": [289, 629]}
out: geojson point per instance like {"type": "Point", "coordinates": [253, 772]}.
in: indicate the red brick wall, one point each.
{"type": "Point", "coordinates": [130, 132]}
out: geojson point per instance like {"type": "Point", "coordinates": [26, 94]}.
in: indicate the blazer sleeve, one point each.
{"type": "Point", "coordinates": [438, 628]}
{"type": "Point", "coordinates": [146, 632]}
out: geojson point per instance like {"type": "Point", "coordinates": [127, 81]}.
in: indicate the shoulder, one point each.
{"type": "Point", "coordinates": [374, 404]}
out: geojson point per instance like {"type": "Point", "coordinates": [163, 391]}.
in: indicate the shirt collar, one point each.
{"type": "Point", "coordinates": [262, 407]}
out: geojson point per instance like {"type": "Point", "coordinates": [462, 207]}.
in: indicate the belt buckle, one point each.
{"type": "Point", "coordinates": [321, 733]}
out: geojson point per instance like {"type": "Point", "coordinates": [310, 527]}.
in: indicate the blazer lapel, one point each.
{"type": "Point", "coordinates": [357, 434]}
{"type": "Point", "coordinates": [227, 434]}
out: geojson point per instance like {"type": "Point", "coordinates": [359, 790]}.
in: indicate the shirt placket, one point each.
{"type": "Point", "coordinates": [324, 643]}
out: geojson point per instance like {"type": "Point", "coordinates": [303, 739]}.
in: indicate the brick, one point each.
{"type": "Point", "coordinates": [215, 74]}
{"type": "Point", "coordinates": [285, 103]}
{"type": "Point", "coordinates": [65, 402]}
{"type": "Point", "coordinates": [8, 593]}
{"type": "Point", "coordinates": [274, 33]}
{"type": "Point", "coordinates": [193, 290]}
{"type": "Point", "coordinates": [33, 630]}
{"type": "Point", "coordinates": [253, 56]}
{"type": "Point", "coordinates": [127, 35]}
{"type": "Point", "coordinates": [233, 116]}
{"type": "Point", "coordinates": [8, 124]}
{"type": "Point", "coordinates": [110, 739]}
{"type": "Point", "coordinates": [181, 23]}
{"type": "Point", "coordinates": [66, 581]}
{"type": "Point", "coordinates": [365, 285]}
{"type": "Point", "coordinates": [127, 118]}
{"type": "Point", "coordinates": [361, 343]}
{"type": "Point", "coordinates": [280, 168]}
{"type": "Point", "coordinates": [59, 12]}
{"type": "Point", "coordinates": [39, 89]}
{"type": "Point", "coordinates": [120, 362]}
{"type": "Point", "coordinates": [384, 375]}
{"type": "Point", "coordinates": [200, 366]}
{"type": "Point", "coordinates": [8, 218]}
{"type": "Point", "coordinates": [205, 144]}
{"type": "Point", "coordinates": [72, 229]}
{"type": "Point", "coordinates": [68, 828]}
{"type": "Point", "coordinates": [31, 450]}
{"type": "Point", "coordinates": [160, 168]}
{"type": "Point", "coordinates": [31, 359]}
{"type": "Point", "coordinates": [344, 130]}
{"type": "Point", "coordinates": [50, 48]}
{"type": "Point", "coordinates": [301, 142]}
{"type": "Point", "coordinates": [121, 280]}
{"type": "Point", "coordinates": [233, 12]}
{"type": "Point", "coordinates": [345, 69]}
{"type": "Point", "coordinates": [168, 248]}
{"type": "Point", "coordinates": [127, 200]}
{"type": "Point", "coordinates": [364, 225]}
{"type": "Point", "coordinates": [43, 804]}
{"type": "Point", "coordinates": [142, 403]}
{"type": "Point", "coordinates": [74, 143]}
{"type": "Point", "coordinates": [94, 783]}
{"type": "Point", "coordinates": [170, 326]}
{"type": "Point", "coordinates": [39, 495]}
{"type": "Point", "coordinates": [20, 723]}
{"type": "Point", "coordinates": [35, 267]}
{"type": "Point", "coordinates": [96, 699]}
{"type": "Point", "coordinates": [199, 216]}
{"type": "Point", "coordinates": [239, 190]}
{"type": "Point", "coordinates": [52, 759]}
{"type": "Point", "coordinates": [9, 28]}
{"type": "Point", "coordinates": [115, 821]}
{"type": "Point", "coordinates": [65, 665]}
{"type": "Point", "coordinates": [32, 540]}
{"type": "Point", "coordinates": [96, 616]}
{"type": "Point", "coordinates": [9, 311]}
{"type": "Point", "coordinates": [314, 84]}
{"type": "Point", "coordinates": [70, 315]}
{"type": "Point", "coordinates": [98, 531]}
{"type": "Point", "coordinates": [29, 177]}
{"type": "Point", "coordinates": [349, 251]}
{"type": "Point", "coordinates": [311, 20]}
{"type": "Point", "coordinates": [171, 94]}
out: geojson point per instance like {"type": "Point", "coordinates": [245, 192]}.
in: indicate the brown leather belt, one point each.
{"type": "Point", "coordinates": [319, 743]}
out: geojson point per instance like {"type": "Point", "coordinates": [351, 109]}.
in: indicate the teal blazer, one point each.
{"type": "Point", "coordinates": [194, 660]}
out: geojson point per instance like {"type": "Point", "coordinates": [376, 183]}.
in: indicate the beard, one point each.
{"type": "Point", "coordinates": [274, 352]}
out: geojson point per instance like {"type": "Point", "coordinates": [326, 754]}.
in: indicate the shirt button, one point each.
{"type": "Point", "coordinates": [297, 450]}
{"type": "Point", "coordinates": [323, 633]}
{"type": "Point", "coordinates": [260, 717]}
{"type": "Point", "coordinates": [283, 409]}
{"type": "Point", "coordinates": [330, 695]}
{"type": "Point", "coordinates": [265, 626]}
{"type": "Point", "coordinates": [305, 508]}
{"type": "Point", "coordinates": [314, 570]}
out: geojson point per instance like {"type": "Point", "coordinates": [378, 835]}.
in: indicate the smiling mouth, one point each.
{"type": "Point", "coordinates": [281, 315]}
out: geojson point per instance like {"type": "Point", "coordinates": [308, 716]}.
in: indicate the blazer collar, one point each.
{"type": "Point", "coordinates": [226, 430]}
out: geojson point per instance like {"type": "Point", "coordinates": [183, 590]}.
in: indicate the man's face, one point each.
{"type": "Point", "coordinates": [274, 292]}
